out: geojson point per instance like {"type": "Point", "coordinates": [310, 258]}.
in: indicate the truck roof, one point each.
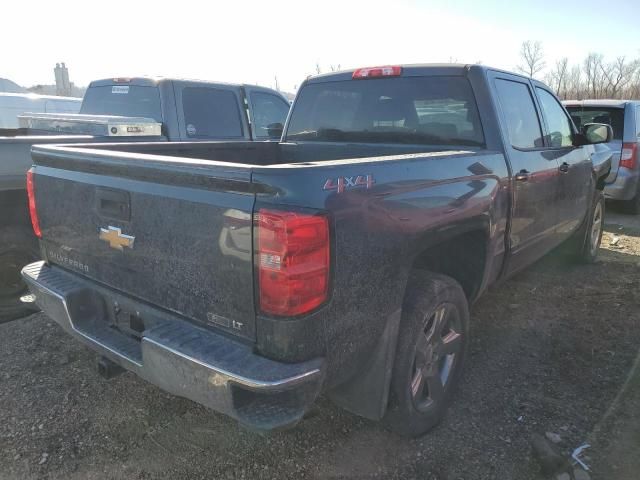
{"type": "Point", "coordinates": [155, 81]}
{"type": "Point", "coordinates": [598, 103]}
{"type": "Point", "coordinates": [415, 69]}
{"type": "Point", "coordinates": [37, 96]}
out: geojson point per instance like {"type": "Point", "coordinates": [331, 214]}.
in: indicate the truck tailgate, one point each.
{"type": "Point", "coordinates": [172, 233]}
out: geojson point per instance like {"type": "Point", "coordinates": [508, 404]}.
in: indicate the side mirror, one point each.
{"type": "Point", "coordinates": [594, 133]}
{"type": "Point", "coordinates": [275, 129]}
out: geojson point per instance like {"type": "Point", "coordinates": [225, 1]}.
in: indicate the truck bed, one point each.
{"type": "Point", "coordinates": [253, 153]}
{"type": "Point", "coordinates": [191, 207]}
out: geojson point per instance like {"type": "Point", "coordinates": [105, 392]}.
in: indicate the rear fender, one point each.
{"type": "Point", "coordinates": [366, 393]}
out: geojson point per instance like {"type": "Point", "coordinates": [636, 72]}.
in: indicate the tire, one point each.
{"type": "Point", "coordinates": [435, 320]}
{"type": "Point", "coordinates": [592, 237]}
{"type": "Point", "coordinates": [18, 247]}
{"type": "Point", "coordinates": [632, 206]}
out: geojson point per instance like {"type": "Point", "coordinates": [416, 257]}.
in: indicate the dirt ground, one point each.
{"type": "Point", "coordinates": [553, 350]}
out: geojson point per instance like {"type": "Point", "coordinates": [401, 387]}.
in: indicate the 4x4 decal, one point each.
{"type": "Point", "coordinates": [340, 184]}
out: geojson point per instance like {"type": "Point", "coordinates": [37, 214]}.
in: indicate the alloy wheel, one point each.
{"type": "Point", "coordinates": [438, 347]}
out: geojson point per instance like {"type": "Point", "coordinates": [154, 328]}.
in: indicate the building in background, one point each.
{"type": "Point", "coordinates": [63, 86]}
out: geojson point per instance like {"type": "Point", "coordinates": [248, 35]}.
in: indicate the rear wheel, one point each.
{"type": "Point", "coordinates": [593, 233]}
{"type": "Point", "coordinates": [18, 247]}
{"type": "Point", "coordinates": [431, 349]}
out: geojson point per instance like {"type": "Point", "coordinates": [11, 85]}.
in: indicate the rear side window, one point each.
{"type": "Point", "coordinates": [558, 124]}
{"type": "Point", "coordinates": [123, 100]}
{"type": "Point", "coordinates": [267, 109]}
{"type": "Point", "coordinates": [211, 113]}
{"type": "Point", "coordinates": [638, 122]}
{"type": "Point", "coordinates": [408, 110]}
{"type": "Point", "coordinates": [610, 116]}
{"type": "Point", "coordinates": [520, 114]}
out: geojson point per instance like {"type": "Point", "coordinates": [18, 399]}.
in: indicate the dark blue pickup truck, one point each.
{"type": "Point", "coordinates": [188, 110]}
{"type": "Point", "coordinates": [251, 277]}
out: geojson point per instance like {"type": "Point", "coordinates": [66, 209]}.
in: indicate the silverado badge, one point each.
{"type": "Point", "coordinates": [115, 238]}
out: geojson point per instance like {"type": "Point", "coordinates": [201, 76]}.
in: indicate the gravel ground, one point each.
{"type": "Point", "coordinates": [552, 351]}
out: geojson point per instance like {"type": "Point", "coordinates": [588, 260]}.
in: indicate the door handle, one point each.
{"type": "Point", "coordinates": [564, 168]}
{"type": "Point", "coordinates": [522, 175]}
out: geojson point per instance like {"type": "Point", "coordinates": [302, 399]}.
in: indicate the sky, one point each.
{"type": "Point", "coordinates": [256, 41]}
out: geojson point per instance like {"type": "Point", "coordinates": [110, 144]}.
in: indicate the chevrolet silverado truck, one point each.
{"type": "Point", "coordinates": [187, 111]}
{"type": "Point", "coordinates": [252, 277]}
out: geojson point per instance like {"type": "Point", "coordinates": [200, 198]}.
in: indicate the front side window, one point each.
{"type": "Point", "coordinates": [211, 113]}
{"type": "Point", "coordinates": [559, 126]}
{"type": "Point", "coordinates": [267, 110]}
{"type": "Point", "coordinates": [410, 110]}
{"type": "Point", "coordinates": [520, 114]}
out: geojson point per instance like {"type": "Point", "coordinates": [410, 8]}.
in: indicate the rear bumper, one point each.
{"type": "Point", "coordinates": [624, 187]}
{"type": "Point", "coordinates": [177, 356]}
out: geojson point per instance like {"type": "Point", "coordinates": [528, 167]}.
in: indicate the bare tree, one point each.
{"type": "Point", "coordinates": [618, 75]}
{"type": "Point", "coordinates": [558, 77]}
{"type": "Point", "coordinates": [532, 58]}
{"type": "Point", "coordinates": [633, 89]}
{"type": "Point", "coordinates": [574, 84]}
{"type": "Point", "coordinates": [592, 67]}
{"type": "Point", "coordinates": [593, 77]}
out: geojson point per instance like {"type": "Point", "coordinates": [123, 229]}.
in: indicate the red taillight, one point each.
{"type": "Point", "coordinates": [293, 261]}
{"type": "Point", "coordinates": [629, 155]}
{"type": "Point", "coordinates": [376, 72]}
{"type": "Point", "coordinates": [32, 205]}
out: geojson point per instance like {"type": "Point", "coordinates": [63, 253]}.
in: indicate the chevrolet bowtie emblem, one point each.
{"type": "Point", "coordinates": [115, 238]}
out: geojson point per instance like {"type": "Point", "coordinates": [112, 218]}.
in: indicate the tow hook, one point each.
{"type": "Point", "coordinates": [108, 369]}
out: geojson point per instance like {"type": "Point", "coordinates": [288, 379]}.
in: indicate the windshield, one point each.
{"type": "Point", "coordinates": [123, 100]}
{"type": "Point", "coordinates": [411, 110]}
{"type": "Point", "coordinates": [610, 116]}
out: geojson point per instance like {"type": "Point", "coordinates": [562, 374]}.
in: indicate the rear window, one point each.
{"type": "Point", "coordinates": [124, 100]}
{"type": "Point", "coordinates": [211, 113]}
{"type": "Point", "coordinates": [611, 116]}
{"type": "Point", "coordinates": [267, 110]}
{"type": "Point", "coordinates": [411, 110]}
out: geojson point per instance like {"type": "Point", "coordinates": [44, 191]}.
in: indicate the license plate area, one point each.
{"type": "Point", "coordinates": [128, 323]}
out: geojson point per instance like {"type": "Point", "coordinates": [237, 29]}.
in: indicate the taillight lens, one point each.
{"type": "Point", "coordinates": [35, 222]}
{"type": "Point", "coordinates": [629, 155]}
{"type": "Point", "coordinates": [293, 261]}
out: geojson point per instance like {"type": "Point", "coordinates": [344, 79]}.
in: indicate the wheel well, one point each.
{"type": "Point", "coordinates": [462, 258]}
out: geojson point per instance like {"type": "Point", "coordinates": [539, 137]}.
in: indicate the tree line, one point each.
{"type": "Point", "coordinates": [594, 77]}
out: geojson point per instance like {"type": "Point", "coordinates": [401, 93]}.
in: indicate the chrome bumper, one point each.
{"type": "Point", "coordinates": [178, 356]}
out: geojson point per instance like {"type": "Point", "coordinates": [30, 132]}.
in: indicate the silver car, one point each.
{"type": "Point", "coordinates": [624, 117]}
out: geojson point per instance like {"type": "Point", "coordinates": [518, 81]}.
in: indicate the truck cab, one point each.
{"type": "Point", "coordinates": [191, 110]}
